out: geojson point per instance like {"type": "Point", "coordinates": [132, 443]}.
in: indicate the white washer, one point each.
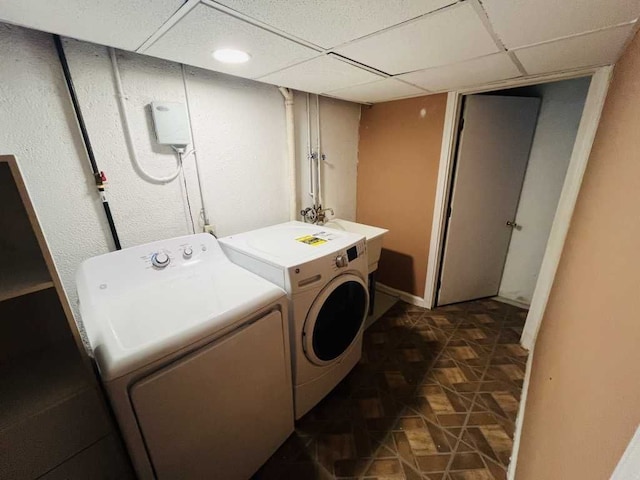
{"type": "Point", "coordinates": [324, 273]}
{"type": "Point", "coordinates": [194, 354]}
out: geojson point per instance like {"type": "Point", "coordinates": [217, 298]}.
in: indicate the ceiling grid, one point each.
{"type": "Point", "coordinates": [365, 51]}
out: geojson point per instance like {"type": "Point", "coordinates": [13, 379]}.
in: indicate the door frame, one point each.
{"type": "Point", "coordinates": [600, 78]}
{"type": "Point", "coordinates": [594, 103]}
{"type": "Point", "coordinates": [629, 464]}
{"type": "Point", "coordinates": [507, 104]}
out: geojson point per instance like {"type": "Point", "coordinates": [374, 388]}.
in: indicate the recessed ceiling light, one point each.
{"type": "Point", "coordinates": [231, 55]}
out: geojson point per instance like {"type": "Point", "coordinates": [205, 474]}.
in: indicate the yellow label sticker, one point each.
{"type": "Point", "coordinates": [311, 240]}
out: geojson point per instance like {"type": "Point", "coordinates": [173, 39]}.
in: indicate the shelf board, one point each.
{"type": "Point", "coordinates": [21, 276]}
{"type": "Point", "coordinates": [39, 380]}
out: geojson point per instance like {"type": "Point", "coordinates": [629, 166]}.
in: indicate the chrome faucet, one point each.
{"type": "Point", "coordinates": [321, 217]}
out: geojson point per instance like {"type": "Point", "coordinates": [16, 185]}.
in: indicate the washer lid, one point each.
{"type": "Point", "coordinates": [135, 313]}
{"type": "Point", "coordinates": [292, 243]}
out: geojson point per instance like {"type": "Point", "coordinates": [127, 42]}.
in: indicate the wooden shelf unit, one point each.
{"type": "Point", "coordinates": [43, 379]}
{"type": "Point", "coordinates": [23, 276]}
{"type": "Point", "coordinates": [51, 406]}
{"type": "Point", "coordinates": [23, 269]}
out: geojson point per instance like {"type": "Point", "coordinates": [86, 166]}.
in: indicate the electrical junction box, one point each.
{"type": "Point", "coordinates": [171, 123]}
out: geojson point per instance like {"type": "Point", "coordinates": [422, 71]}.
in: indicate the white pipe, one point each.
{"type": "Point", "coordinates": [319, 151]}
{"type": "Point", "coordinates": [312, 190]}
{"type": "Point", "coordinates": [127, 130]}
{"type": "Point", "coordinates": [291, 147]}
{"type": "Point", "coordinates": [203, 208]}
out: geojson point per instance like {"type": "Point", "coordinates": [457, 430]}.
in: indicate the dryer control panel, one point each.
{"type": "Point", "coordinates": [164, 260]}
{"type": "Point", "coordinates": [357, 250]}
{"type": "Point", "coordinates": [171, 254]}
{"type": "Point", "coordinates": [316, 273]}
{"type": "Point", "coordinates": [350, 254]}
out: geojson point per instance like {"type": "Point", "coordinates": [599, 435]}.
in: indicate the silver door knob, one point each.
{"type": "Point", "coordinates": [512, 224]}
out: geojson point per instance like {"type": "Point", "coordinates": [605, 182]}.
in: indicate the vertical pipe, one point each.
{"type": "Point", "coordinates": [98, 176]}
{"type": "Point", "coordinates": [319, 155]}
{"type": "Point", "coordinates": [291, 147]}
{"type": "Point", "coordinates": [312, 191]}
{"type": "Point", "coordinates": [205, 215]}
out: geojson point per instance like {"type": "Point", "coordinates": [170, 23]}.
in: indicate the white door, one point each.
{"type": "Point", "coordinates": [492, 159]}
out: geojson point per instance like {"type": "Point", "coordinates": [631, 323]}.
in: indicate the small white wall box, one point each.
{"type": "Point", "coordinates": [171, 123]}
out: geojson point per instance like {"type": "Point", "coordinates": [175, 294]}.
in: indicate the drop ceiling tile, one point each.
{"type": "Point", "coordinates": [205, 29]}
{"type": "Point", "coordinates": [478, 71]}
{"type": "Point", "coordinates": [378, 91]}
{"type": "Point", "coordinates": [448, 36]}
{"type": "Point", "coordinates": [332, 22]}
{"type": "Point", "coordinates": [320, 75]}
{"type": "Point", "coordinates": [599, 48]}
{"type": "Point", "coordinates": [525, 22]}
{"type": "Point", "coordinates": [124, 24]}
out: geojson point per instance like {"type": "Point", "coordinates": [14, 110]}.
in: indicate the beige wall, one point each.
{"type": "Point", "coordinates": [398, 158]}
{"type": "Point", "coordinates": [584, 397]}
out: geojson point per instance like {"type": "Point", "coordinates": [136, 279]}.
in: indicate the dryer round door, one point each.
{"type": "Point", "coordinates": [335, 319]}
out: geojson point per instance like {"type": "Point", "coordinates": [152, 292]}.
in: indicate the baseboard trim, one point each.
{"type": "Point", "coordinates": [508, 301]}
{"type": "Point", "coordinates": [404, 296]}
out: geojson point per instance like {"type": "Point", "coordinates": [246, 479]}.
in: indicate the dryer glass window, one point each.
{"type": "Point", "coordinates": [339, 320]}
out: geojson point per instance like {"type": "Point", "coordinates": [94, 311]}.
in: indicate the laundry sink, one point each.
{"type": "Point", "coordinates": [373, 235]}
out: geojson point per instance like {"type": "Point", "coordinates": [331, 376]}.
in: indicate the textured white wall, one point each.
{"type": "Point", "coordinates": [36, 121]}
{"type": "Point", "coordinates": [339, 124]}
{"type": "Point", "coordinates": [239, 133]}
{"type": "Point", "coordinates": [339, 121]}
{"type": "Point", "coordinates": [558, 121]}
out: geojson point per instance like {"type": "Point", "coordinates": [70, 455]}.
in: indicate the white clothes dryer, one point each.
{"type": "Point", "coordinates": [324, 273]}
{"type": "Point", "coordinates": [194, 354]}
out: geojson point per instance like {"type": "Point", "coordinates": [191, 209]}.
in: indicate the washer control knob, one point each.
{"type": "Point", "coordinates": [187, 252]}
{"type": "Point", "coordinates": [160, 259]}
{"type": "Point", "coordinates": [342, 261]}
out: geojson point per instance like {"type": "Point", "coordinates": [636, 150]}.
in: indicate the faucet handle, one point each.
{"type": "Point", "coordinates": [309, 215]}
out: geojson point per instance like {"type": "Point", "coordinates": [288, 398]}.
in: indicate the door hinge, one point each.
{"type": "Point", "coordinates": [461, 125]}
{"type": "Point", "coordinates": [449, 212]}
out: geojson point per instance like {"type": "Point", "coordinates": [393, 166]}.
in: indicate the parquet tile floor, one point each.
{"type": "Point", "coordinates": [434, 397]}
